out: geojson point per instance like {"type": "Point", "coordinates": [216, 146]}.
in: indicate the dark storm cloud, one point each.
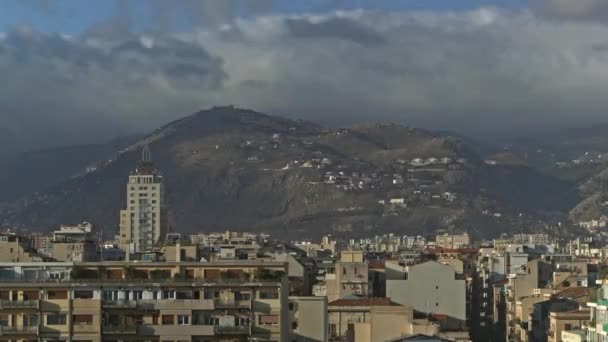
{"type": "Point", "coordinates": [339, 28]}
{"type": "Point", "coordinates": [482, 70]}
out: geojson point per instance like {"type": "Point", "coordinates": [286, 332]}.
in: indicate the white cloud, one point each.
{"type": "Point", "coordinates": [484, 69]}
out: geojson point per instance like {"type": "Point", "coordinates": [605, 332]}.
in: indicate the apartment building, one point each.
{"type": "Point", "coordinates": [122, 301]}
{"type": "Point", "coordinates": [369, 319]}
{"type": "Point", "coordinates": [14, 248]}
{"type": "Point", "coordinates": [453, 241]}
{"type": "Point", "coordinates": [349, 276]}
{"type": "Point", "coordinates": [309, 318]}
{"type": "Point", "coordinates": [144, 221]}
{"type": "Point", "coordinates": [433, 289]}
{"type": "Point", "coordinates": [74, 243]}
{"type": "Point", "coordinates": [597, 327]}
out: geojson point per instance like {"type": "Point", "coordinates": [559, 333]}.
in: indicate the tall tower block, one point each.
{"type": "Point", "coordinates": [143, 222]}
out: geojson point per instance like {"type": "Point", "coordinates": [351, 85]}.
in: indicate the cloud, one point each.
{"type": "Point", "coordinates": [485, 70]}
{"type": "Point", "coordinates": [59, 90]}
{"type": "Point", "coordinates": [575, 9]}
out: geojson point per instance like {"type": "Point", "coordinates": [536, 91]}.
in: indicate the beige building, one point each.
{"type": "Point", "coordinates": [566, 321]}
{"type": "Point", "coordinates": [369, 319]}
{"type": "Point", "coordinates": [121, 301]}
{"type": "Point", "coordinates": [453, 241]}
{"type": "Point", "coordinates": [13, 249]}
{"type": "Point", "coordinates": [74, 243]}
{"type": "Point", "coordinates": [348, 277]}
{"type": "Point", "coordinates": [433, 289]}
{"type": "Point", "coordinates": [144, 222]}
{"type": "Point", "coordinates": [181, 252]}
{"type": "Point", "coordinates": [309, 319]}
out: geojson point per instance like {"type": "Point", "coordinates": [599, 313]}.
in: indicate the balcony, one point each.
{"type": "Point", "coordinates": [19, 304]}
{"type": "Point", "coordinates": [232, 304]}
{"type": "Point", "coordinates": [119, 330]}
{"type": "Point", "coordinates": [119, 304]}
{"type": "Point", "coordinates": [232, 330]}
{"type": "Point", "coordinates": [85, 328]}
{"type": "Point", "coordinates": [12, 331]}
{"type": "Point", "coordinates": [175, 330]}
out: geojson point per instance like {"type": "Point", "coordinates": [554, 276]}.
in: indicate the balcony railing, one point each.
{"type": "Point", "coordinates": [119, 329]}
{"type": "Point", "coordinates": [19, 304]}
{"type": "Point", "coordinates": [226, 304]}
{"type": "Point", "coordinates": [119, 304]}
{"type": "Point", "coordinates": [23, 330]}
{"type": "Point", "coordinates": [225, 329]}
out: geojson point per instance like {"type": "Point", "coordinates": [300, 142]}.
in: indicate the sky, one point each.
{"type": "Point", "coordinates": [83, 71]}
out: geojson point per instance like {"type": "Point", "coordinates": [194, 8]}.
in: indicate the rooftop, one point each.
{"type": "Point", "coordinates": [363, 302]}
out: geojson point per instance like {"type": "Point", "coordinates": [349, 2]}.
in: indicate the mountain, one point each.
{"type": "Point", "coordinates": [34, 171]}
{"type": "Point", "coordinates": [228, 168]}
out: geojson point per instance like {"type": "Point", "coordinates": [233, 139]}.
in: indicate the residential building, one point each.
{"type": "Point", "coordinates": [566, 321]}
{"type": "Point", "coordinates": [123, 301]}
{"type": "Point", "coordinates": [181, 251]}
{"type": "Point", "coordinates": [597, 328]}
{"type": "Point", "coordinates": [143, 223]}
{"type": "Point", "coordinates": [309, 319]}
{"type": "Point", "coordinates": [14, 248]}
{"type": "Point", "coordinates": [433, 289]}
{"type": "Point", "coordinates": [452, 241]}
{"type": "Point", "coordinates": [42, 243]}
{"type": "Point", "coordinates": [369, 319]}
{"type": "Point", "coordinates": [74, 243]}
{"type": "Point", "coordinates": [348, 277]}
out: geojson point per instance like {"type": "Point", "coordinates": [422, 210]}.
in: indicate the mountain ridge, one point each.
{"type": "Point", "coordinates": [230, 168]}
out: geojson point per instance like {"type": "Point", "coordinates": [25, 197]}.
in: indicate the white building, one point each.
{"type": "Point", "coordinates": [143, 222]}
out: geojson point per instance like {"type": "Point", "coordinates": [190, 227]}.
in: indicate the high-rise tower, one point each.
{"type": "Point", "coordinates": [143, 223]}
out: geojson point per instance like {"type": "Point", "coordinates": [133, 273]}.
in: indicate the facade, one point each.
{"type": "Point", "coordinates": [74, 243]}
{"type": "Point", "coordinates": [566, 321]}
{"type": "Point", "coordinates": [13, 248]}
{"type": "Point", "coordinates": [144, 222]}
{"type": "Point", "coordinates": [431, 288]}
{"type": "Point", "coordinates": [597, 328]}
{"type": "Point", "coordinates": [309, 319]}
{"type": "Point", "coordinates": [369, 319]}
{"type": "Point", "coordinates": [114, 301]}
{"type": "Point", "coordinates": [348, 277]}
{"type": "Point", "coordinates": [451, 241]}
{"type": "Point", "coordinates": [42, 243]}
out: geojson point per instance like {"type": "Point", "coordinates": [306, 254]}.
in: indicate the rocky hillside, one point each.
{"type": "Point", "coordinates": [228, 168]}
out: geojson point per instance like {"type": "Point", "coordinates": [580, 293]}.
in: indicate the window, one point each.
{"type": "Point", "coordinates": [3, 320]}
{"type": "Point", "coordinates": [332, 330]}
{"type": "Point", "coordinates": [57, 295]}
{"type": "Point", "coordinates": [269, 295]}
{"type": "Point", "coordinates": [82, 319]}
{"type": "Point", "coordinates": [56, 319]}
{"type": "Point", "coordinates": [83, 294]}
{"type": "Point", "coordinates": [138, 295]}
{"type": "Point", "coordinates": [183, 319]}
{"type": "Point", "coordinates": [168, 320]}
{"type": "Point", "coordinates": [168, 294]}
{"type": "Point", "coordinates": [30, 320]}
{"type": "Point", "coordinates": [291, 306]}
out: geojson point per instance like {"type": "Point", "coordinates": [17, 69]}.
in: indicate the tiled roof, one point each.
{"type": "Point", "coordinates": [573, 292]}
